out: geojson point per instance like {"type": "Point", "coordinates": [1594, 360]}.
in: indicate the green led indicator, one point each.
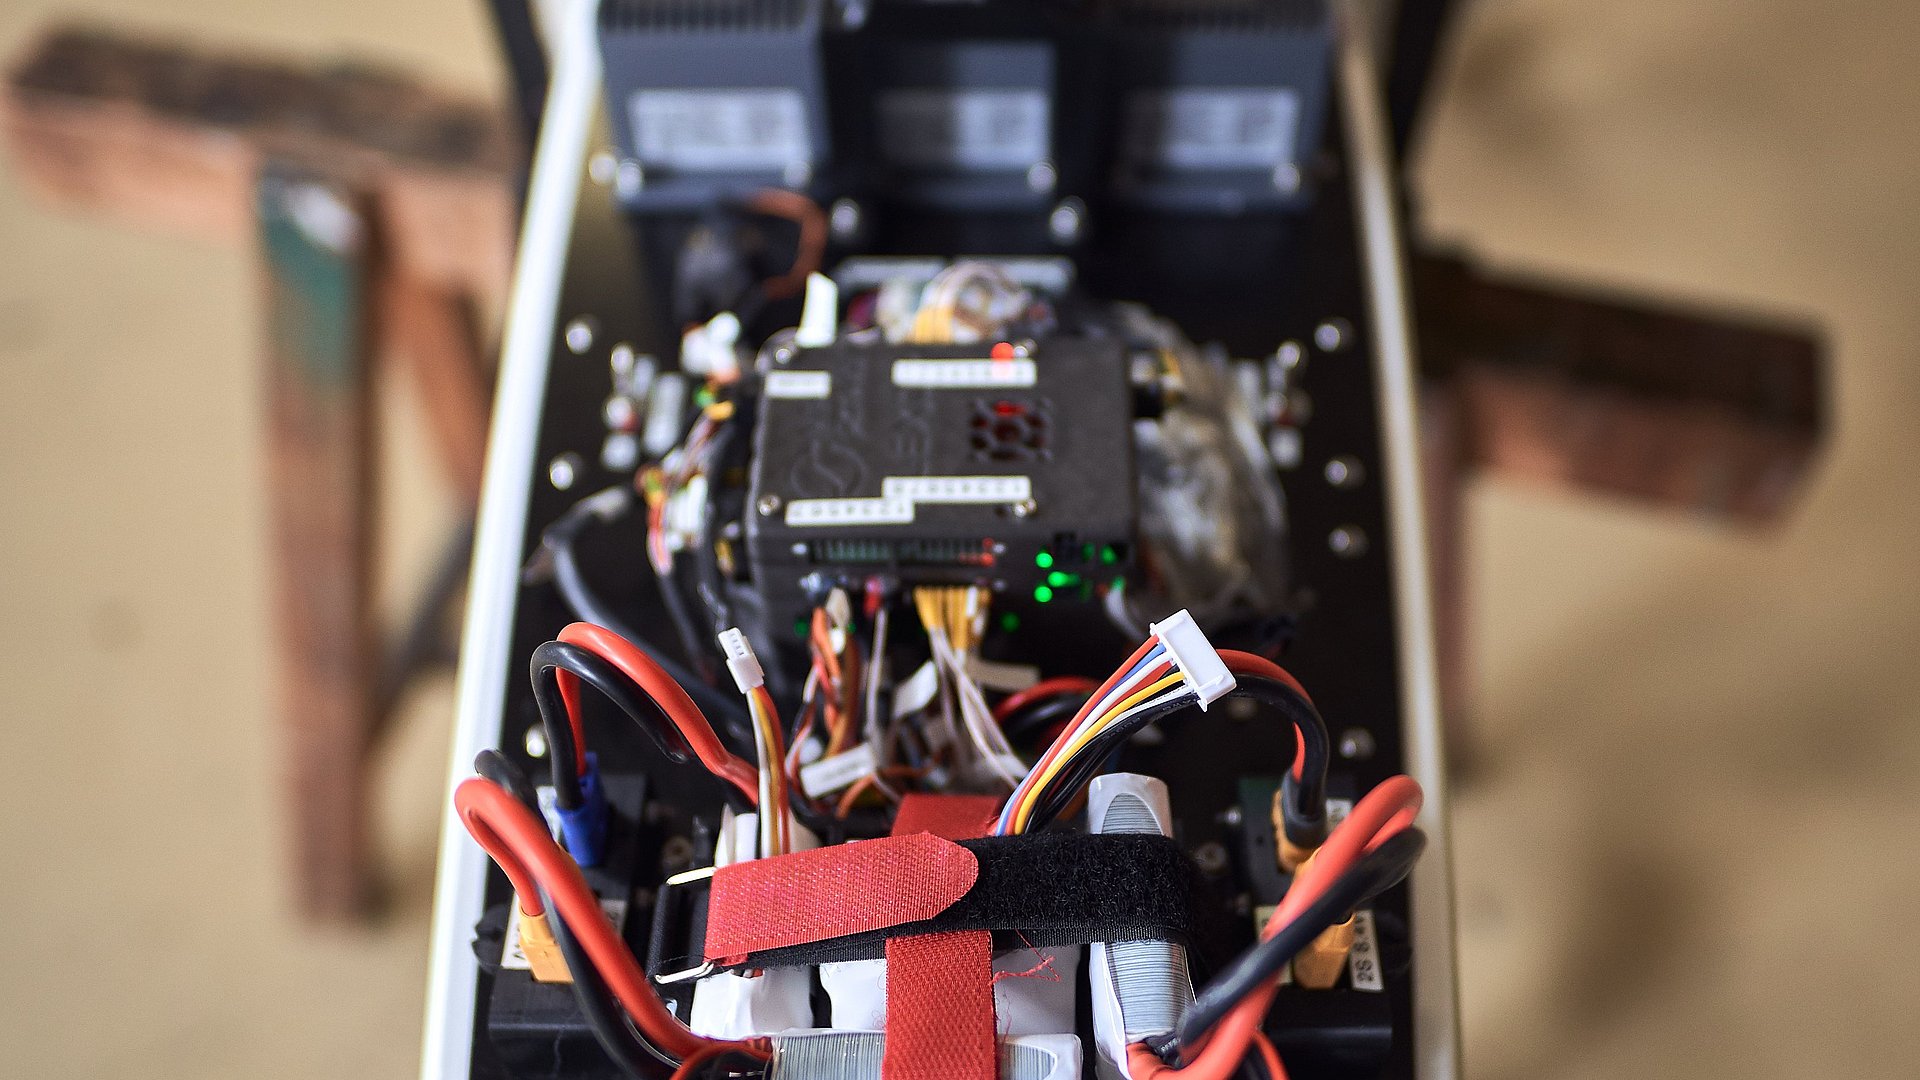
{"type": "Point", "coordinates": [1043, 560]}
{"type": "Point", "coordinates": [1057, 579]}
{"type": "Point", "coordinates": [1009, 622]}
{"type": "Point", "coordinates": [1086, 552]}
{"type": "Point", "coordinates": [1108, 555]}
{"type": "Point", "coordinates": [1120, 583]}
{"type": "Point", "coordinates": [1043, 594]}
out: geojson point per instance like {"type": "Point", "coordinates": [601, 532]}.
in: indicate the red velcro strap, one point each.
{"type": "Point", "coordinates": [940, 1008]}
{"type": "Point", "coordinates": [832, 892]}
{"type": "Point", "coordinates": [940, 1023]}
{"type": "Point", "coordinates": [956, 817]}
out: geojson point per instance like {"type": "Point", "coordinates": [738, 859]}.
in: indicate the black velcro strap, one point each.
{"type": "Point", "coordinates": [1041, 890]}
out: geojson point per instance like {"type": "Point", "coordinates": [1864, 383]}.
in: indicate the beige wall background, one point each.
{"type": "Point", "coordinates": [1684, 848]}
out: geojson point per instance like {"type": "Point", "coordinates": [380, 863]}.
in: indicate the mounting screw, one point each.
{"type": "Point", "coordinates": [1025, 508]}
{"type": "Point", "coordinates": [1348, 541]}
{"type": "Point", "coordinates": [1211, 858]}
{"type": "Point", "coordinates": [1041, 177]}
{"type": "Point", "coordinates": [602, 167]}
{"type": "Point", "coordinates": [1356, 744]}
{"type": "Point", "coordinates": [844, 220]}
{"type": "Point", "coordinates": [783, 354]}
{"type": "Point", "coordinates": [564, 470]}
{"type": "Point", "coordinates": [579, 335]}
{"type": "Point", "coordinates": [535, 741]}
{"type": "Point", "coordinates": [628, 179]}
{"type": "Point", "coordinates": [1067, 222]}
{"type": "Point", "coordinates": [768, 505]}
{"type": "Point", "coordinates": [1231, 817]}
{"type": "Point", "coordinates": [1333, 335]}
{"type": "Point", "coordinates": [676, 854]}
{"type": "Point", "coordinates": [1345, 472]}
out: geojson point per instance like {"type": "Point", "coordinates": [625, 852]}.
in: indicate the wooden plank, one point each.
{"type": "Point", "coordinates": [315, 245]}
{"type": "Point", "coordinates": [1711, 411]}
{"type": "Point", "coordinates": [172, 136]}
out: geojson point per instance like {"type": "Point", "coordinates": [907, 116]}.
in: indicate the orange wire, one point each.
{"type": "Point", "coordinates": [812, 245]}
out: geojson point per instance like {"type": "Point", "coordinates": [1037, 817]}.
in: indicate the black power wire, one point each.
{"type": "Point", "coordinates": [625, 1046]}
{"type": "Point", "coordinates": [1303, 802]}
{"type": "Point", "coordinates": [556, 656]}
{"type": "Point", "coordinates": [559, 539]}
{"type": "Point", "coordinates": [497, 767]}
{"type": "Point", "coordinates": [1374, 873]}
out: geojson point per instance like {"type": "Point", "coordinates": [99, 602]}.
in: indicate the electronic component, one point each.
{"type": "Point", "coordinates": [1009, 466]}
{"type": "Point", "coordinates": [709, 99]}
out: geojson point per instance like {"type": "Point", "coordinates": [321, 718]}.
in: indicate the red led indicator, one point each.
{"type": "Point", "coordinates": [1002, 350]}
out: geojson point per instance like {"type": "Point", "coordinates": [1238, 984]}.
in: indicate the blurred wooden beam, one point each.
{"type": "Point", "coordinates": [172, 136]}
{"type": "Point", "coordinates": [382, 211]}
{"type": "Point", "coordinates": [1715, 412]}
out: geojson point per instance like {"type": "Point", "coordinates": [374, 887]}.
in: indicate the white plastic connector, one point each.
{"type": "Point", "coordinates": [747, 672]}
{"type": "Point", "coordinates": [1195, 655]}
{"type": "Point", "coordinates": [819, 313]}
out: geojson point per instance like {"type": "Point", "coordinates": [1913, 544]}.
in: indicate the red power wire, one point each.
{"type": "Point", "coordinates": [519, 842]}
{"type": "Point", "coordinates": [1246, 663]}
{"type": "Point", "coordinates": [1385, 811]}
{"type": "Point", "coordinates": [672, 700]}
{"type": "Point", "coordinates": [1045, 688]}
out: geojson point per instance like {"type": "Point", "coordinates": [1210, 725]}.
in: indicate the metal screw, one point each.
{"type": "Point", "coordinates": [1289, 356]}
{"type": "Point", "coordinates": [676, 854]}
{"type": "Point", "coordinates": [1025, 508]}
{"type": "Point", "coordinates": [1231, 817]}
{"type": "Point", "coordinates": [535, 741]}
{"type": "Point", "coordinates": [1333, 335]}
{"type": "Point", "coordinates": [1345, 472]}
{"type": "Point", "coordinates": [1041, 177]}
{"type": "Point", "coordinates": [783, 354]}
{"type": "Point", "coordinates": [1286, 178]}
{"type": "Point", "coordinates": [602, 167]}
{"type": "Point", "coordinates": [768, 505]}
{"type": "Point", "coordinates": [621, 360]}
{"type": "Point", "coordinates": [1356, 744]}
{"type": "Point", "coordinates": [564, 470]}
{"type": "Point", "coordinates": [1067, 221]}
{"type": "Point", "coordinates": [621, 412]}
{"type": "Point", "coordinates": [844, 220]}
{"type": "Point", "coordinates": [579, 335]}
{"type": "Point", "coordinates": [1025, 347]}
{"type": "Point", "coordinates": [1348, 541]}
{"type": "Point", "coordinates": [629, 178]}
{"type": "Point", "coordinates": [1211, 858]}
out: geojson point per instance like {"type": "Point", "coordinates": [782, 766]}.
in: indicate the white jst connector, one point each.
{"type": "Point", "coordinates": [747, 672]}
{"type": "Point", "coordinates": [1194, 655]}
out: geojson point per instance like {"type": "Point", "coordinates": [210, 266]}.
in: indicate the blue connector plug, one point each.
{"type": "Point", "coordinates": [585, 829]}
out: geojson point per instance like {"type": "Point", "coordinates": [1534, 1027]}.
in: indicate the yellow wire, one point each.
{"type": "Point", "coordinates": [1086, 734]}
